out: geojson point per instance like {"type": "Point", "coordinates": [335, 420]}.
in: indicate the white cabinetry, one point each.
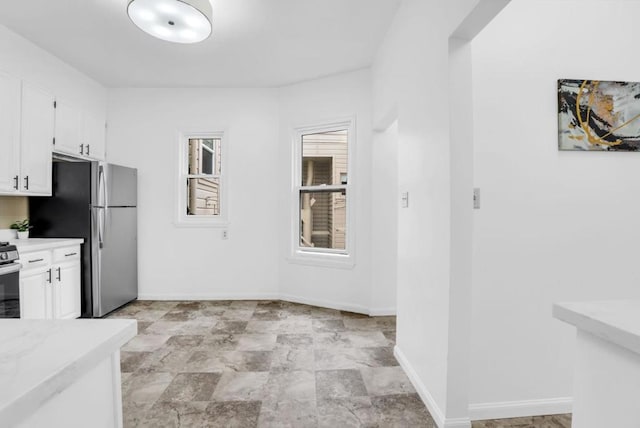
{"type": "Point", "coordinates": [26, 132]}
{"type": "Point", "coordinates": [78, 132]}
{"type": "Point", "coordinates": [50, 284]}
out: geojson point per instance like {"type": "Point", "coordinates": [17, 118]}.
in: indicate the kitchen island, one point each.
{"type": "Point", "coordinates": [606, 383]}
{"type": "Point", "coordinates": [62, 372]}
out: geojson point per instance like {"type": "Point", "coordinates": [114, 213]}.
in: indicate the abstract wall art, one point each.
{"type": "Point", "coordinates": [598, 115]}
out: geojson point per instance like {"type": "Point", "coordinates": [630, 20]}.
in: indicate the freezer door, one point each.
{"type": "Point", "coordinates": [117, 186]}
{"type": "Point", "coordinates": [117, 258]}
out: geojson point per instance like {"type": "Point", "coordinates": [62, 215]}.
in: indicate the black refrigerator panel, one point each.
{"type": "Point", "coordinates": [67, 214]}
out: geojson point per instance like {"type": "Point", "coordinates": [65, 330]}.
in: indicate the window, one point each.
{"type": "Point", "coordinates": [201, 180]}
{"type": "Point", "coordinates": [322, 191]}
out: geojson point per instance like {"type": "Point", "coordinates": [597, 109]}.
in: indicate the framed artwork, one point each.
{"type": "Point", "coordinates": [598, 115]}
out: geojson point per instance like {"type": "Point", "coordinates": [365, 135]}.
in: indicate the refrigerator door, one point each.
{"type": "Point", "coordinates": [116, 255]}
{"type": "Point", "coordinates": [120, 186]}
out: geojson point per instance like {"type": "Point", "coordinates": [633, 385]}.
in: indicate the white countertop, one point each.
{"type": "Point", "coordinates": [37, 244]}
{"type": "Point", "coordinates": [40, 358]}
{"type": "Point", "coordinates": [617, 321]}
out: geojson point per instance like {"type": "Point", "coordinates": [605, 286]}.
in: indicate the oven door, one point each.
{"type": "Point", "coordinates": [10, 290]}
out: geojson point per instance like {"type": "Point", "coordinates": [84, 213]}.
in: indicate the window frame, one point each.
{"type": "Point", "coordinates": [182, 219]}
{"type": "Point", "coordinates": [314, 255]}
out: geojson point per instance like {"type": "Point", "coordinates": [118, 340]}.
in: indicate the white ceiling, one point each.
{"type": "Point", "coordinates": [255, 43]}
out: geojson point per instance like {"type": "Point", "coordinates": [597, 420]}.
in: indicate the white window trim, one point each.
{"type": "Point", "coordinates": [181, 217]}
{"type": "Point", "coordinates": [323, 256]}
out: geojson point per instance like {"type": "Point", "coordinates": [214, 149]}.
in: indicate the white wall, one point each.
{"type": "Point", "coordinates": [191, 263]}
{"type": "Point", "coordinates": [410, 79]}
{"type": "Point", "coordinates": [554, 226]}
{"type": "Point", "coordinates": [315, 102]}
{"type": "Point", "coordinates": [385, 203]}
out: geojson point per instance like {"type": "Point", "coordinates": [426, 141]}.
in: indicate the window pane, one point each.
{"type": "Point", "coordinates": [323, 219]}
{"type": "Point", "coordinates": [324, 158]}
{"type": "Point", "coordinates": [203, 196]}
{"type": "Point", "coordinates": [204, 156]}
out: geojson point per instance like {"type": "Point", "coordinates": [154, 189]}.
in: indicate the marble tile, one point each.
{"type": "Point", "coordinates": [367, 339]}
{"type": "Point", "coordinates": [257, 326]}
{"type": "Point", "coordinates": [219, 342]}
{"type": "Point", "coordinates": [185, 340]}
{"type": "Point", "coordinates": [237, 314]}
{"type": "Point", "coordinates": [191, 306]}
{"type": "Point", "coordinates": [134, 414]}
{"type": "Point", "coordinates": [146, 342]}
{"type": "Point", "coordinates": [131, 361]}
{"type": "Point", "coordinates": [335, 358]}
{"type": "Point", "coordinates": [294, 324]}
{"type": "Point", "coordinates": [142, 326]}
{"type": "Point", "coordinates": [289, 414]}
{"type": "Point", "coordinates": [376, 357]}
{"type": "Point", "coordinates": [176, 414]}
{"type": "Point", "coordinates": [328, 325]}
{"type": "Point", "coordinates": [331, 340]}
{"type": "Point", "coordinates": [295, 340]}
{"type": "Point", "coordinates": [191, 387]}
{"type": "Point", "coordinates": [405, 410]}
{"type": "Point", "coordinates": [167, 359]}
{"type": "Point", "coordinates": [289, 386]}
{"type": "Point", "coordinates": [261, 314]}
{"type": "Point", "coordinates": [241, 386]}
{"type": "Point", "coordinates": [347, 412]}
{"type": "Point", "coordinates": [179, 315]}
{"type": "Point", "coordinates": [286, 358]}
{"type": "Point", "coordinates": [233, 414]}
{"type": "Point", "coordinates": [244, 304]}
{"type": "Point", "coordinates": [361, 324]}
{"type": "Point", "coordinates": [256, 342]}
{"type": "Point", "coordinates": [141, 388]}
{"type": "Point", "coordinates": [332, 384]}
{"type": "Point", "coordinates": [552, 421]}
{"type": "Point", "coordinates": [229, 327]}
{"type": "Point", "coordinates": [390, 335]}
{"type": "Point", "coordinates": [386, 381]}
{"type": "Point", "coordinates": [233, 361]}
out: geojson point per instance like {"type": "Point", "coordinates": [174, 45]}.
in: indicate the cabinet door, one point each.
{"type": "Point", "coordinates": [68, 129]}
{"type": "Point", "coordinates": [37, 135]}
{"type": "Point", "coordinates": [66, 291]}
{"type": "Point", "coordinates": [35, 296]}
{"type": "Point", "coordinates": [94, 136]}
{"type": "Point", "coordinates": [9, 133]}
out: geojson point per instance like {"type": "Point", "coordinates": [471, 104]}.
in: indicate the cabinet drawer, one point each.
{"type": "Point", "coordinates": [35, 260]}
{"type": "Point", "coordinates": [66, 254]}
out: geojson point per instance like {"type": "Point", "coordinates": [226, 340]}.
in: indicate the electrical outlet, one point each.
{"type": "Point", "coordinates": [476, 198]}
{"type": "Point", "coordinates": [225, 234]}
{"type": "Point", "coordinates": [404, 200]}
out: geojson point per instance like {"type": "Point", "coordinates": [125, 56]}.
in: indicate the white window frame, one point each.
{"type": "Point", "coordinates": [182, 219]}
{"type": "Point", "coordinates": [313, 255]}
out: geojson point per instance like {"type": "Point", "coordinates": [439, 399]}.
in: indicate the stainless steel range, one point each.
{"type": "Point", "coordinates": [9, 281]}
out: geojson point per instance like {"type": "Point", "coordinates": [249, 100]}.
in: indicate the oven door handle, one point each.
{"type": "Point", "coordinates": [11, 268]}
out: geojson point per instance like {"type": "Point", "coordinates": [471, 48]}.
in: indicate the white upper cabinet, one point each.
{"type": "Point", "coordinates": [68, 129]}
{"type": "Point", "coordinates": [94, 135]}
{"type": "Point", "coordinates": [9, 133]}
{"type": "Point", "coordinates": [37, 131]}
{"type": "Point", "coordinates": [78, 132]}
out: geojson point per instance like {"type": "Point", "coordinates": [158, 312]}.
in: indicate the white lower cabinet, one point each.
{"type": "Point", "coordinates": [50, 284]}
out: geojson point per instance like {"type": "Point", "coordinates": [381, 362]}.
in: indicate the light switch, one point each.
{"type": "Point", "coordinates": [404, 199]}
{"type": "Point", "coordinates": [476, 198]}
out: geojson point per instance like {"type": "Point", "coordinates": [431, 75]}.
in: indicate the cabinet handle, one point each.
{"type": "Point", "coordinates": [36, 260]}
{"type": "Point", "coordinates": [88, 145]}
{"type": "Point", "coordinates": [81, 149]}
{"type": "Point", "coordinates": [70, 254]}
{"type": "Point", "coordinates": [16, 181]}
{"type": "Point", "coordinates": [49, 277]}
{"type": "Point", "coordinates": [59, 275]}
{"type": "Point", "coordinates": [26, 183]}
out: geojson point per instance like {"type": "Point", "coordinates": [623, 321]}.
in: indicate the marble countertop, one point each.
{"type": "Point", "coordinates": [617, 321]}
{"type": "Point", "coordinates": [37, 244]}
{"type": "Point", "coordinates": [40, 358]}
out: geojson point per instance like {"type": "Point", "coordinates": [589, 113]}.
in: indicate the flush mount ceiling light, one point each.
{"type": "Point", "coordinates": [178, 21]}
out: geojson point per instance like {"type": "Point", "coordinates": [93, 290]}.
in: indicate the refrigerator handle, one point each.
{"type": "Point", "coordinates": [103, 198]}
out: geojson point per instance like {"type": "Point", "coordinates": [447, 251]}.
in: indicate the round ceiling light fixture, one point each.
{"type": "Point", "coordinates": [178, 21]}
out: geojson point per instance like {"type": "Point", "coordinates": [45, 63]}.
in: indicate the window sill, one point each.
{"type": "Point", "coordinates": [338, 261]}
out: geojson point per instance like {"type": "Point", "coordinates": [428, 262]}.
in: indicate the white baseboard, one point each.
{"type": "Point", "coordinates": [427, 398]}
{"type": "Point", "coordinates": [272, 296]}
{"type": "Point", "coordinates": [515, 409]}
{"type": "Point", "coordinates": [222, 296]}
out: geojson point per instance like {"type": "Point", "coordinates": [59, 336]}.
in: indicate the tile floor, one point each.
{"type": "Point", "coordinates": [269, 364]}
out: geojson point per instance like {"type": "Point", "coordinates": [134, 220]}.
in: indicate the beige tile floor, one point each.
{"type": "Point", "coordinates": [269, 364]}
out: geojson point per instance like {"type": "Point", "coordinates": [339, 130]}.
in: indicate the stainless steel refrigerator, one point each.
{"type": "Point", "coordinates": [95, 201]}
